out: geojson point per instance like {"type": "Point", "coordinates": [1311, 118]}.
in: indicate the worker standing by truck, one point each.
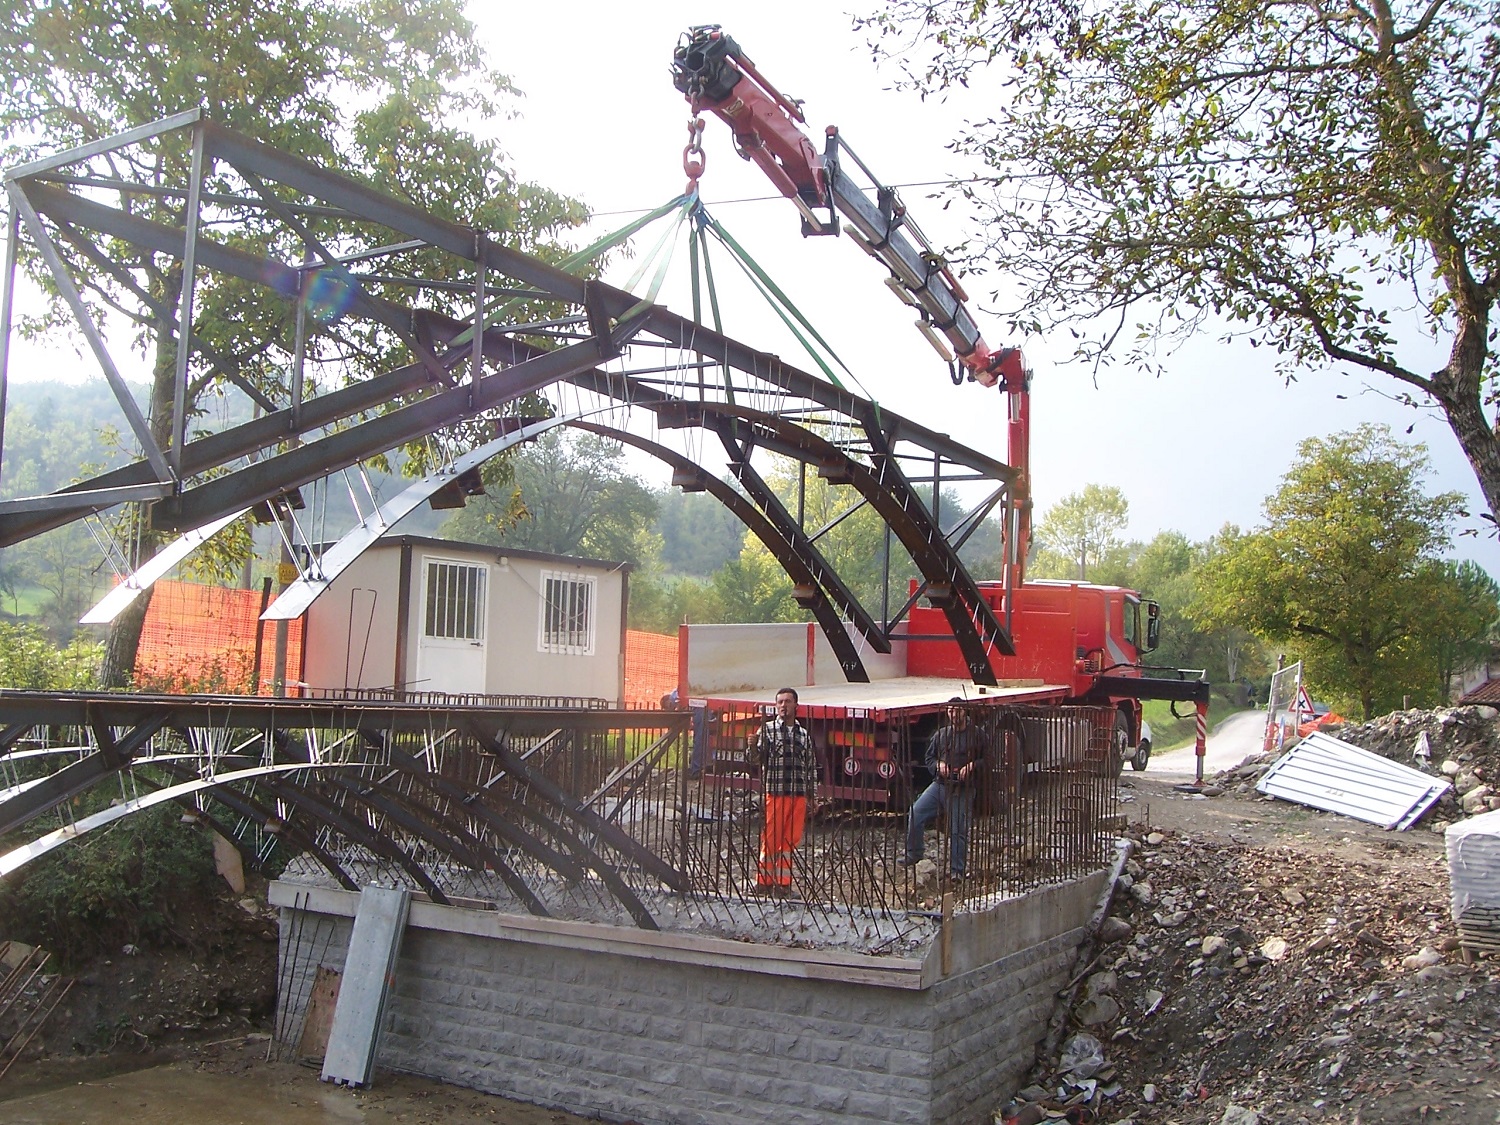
{"type": "Point", "coordinates": [789, 780]}
{"type": "Point", "coordinates": [955, 756]}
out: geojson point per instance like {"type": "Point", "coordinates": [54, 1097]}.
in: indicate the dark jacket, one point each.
{"type": "Point", "coordinates": [956, 749]}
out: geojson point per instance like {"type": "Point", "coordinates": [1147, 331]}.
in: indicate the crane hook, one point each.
{"type": "Point", "coordinates": [693, 156]}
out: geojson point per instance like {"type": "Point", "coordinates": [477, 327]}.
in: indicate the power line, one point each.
{"type": "Point", "coordinates": [770, 198]}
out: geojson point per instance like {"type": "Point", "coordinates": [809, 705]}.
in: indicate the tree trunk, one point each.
{"type": "Point", "coordinates": [124, 639]}
{"type": "Point", "coordinates": [120, 648]}
{"type": "Point", "coordinates": [1457, 387]}
{"type": "Point", "coordinates": [1480, 444]}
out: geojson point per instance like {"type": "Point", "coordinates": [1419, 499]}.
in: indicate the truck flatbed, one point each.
{"type": "Point", "coordinates": [902, 693]}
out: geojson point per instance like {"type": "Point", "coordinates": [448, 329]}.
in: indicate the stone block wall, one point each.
{"type": "Point", "coordinates": [685, 1030]}
{"type": "Point", "coordinates": [622, 1036]}
{"type": "Point", "coordinates": [988, 1023]}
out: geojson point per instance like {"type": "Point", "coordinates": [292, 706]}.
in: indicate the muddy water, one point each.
{"type": "Point", "coordinates": [179, 1095]}
{"type": "Point", "coordinates": [183, 1093]}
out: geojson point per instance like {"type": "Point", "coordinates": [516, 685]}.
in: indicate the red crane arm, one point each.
{"type": "Point", "coordinates": [714, 74]}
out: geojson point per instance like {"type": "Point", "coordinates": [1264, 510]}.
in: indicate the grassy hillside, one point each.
{"type": "Point", "coordinates": [1168, 733]}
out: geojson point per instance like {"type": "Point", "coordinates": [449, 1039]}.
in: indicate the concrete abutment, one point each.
{"type": "Point", "coordinates": [686, 1029]}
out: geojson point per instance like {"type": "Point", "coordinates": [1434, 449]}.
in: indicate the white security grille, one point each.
{"type": "Point", "coordinates": [455, 601]}
{"type": "Point", "coordinates": [567, 614]}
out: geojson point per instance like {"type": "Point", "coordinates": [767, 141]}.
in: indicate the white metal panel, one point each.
{"type": "Point", "coordinates": [1474, 879]}
{"type": "Point", "coordinates": [130, 588]}
{"type": "Point", "coordinates": [369, 966]}
{"type": "Point", "coordinates": [1328, 773]}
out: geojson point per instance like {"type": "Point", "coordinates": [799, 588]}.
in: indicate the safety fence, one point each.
{"type": "Point", "coordinates": [200, 638]}
{"type": "Point", "coordinates": [650, 667]}
{"type": "Point", "coordinates": [209, 639]}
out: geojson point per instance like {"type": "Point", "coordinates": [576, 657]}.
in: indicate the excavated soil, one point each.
{"type": "Point", "coordinates": [1273, 964]}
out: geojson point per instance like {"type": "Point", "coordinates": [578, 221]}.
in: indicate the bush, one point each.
{"type": "Point", "coordinates": [29, 659]}
{"type": "Point", "coordinates": [128, 884]}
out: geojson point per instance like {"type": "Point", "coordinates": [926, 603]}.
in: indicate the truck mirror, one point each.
{"type": "Point", "coordinates": [1153, 625]}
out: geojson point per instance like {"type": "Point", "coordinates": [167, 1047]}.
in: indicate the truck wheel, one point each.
{"type": "Point", "coordinates": [1142, 755]}
{"type": "Point", "coordinates": [1119, 744]}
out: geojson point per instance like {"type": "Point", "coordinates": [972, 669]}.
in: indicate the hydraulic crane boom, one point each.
{"type": "Point", "coordinates": [711, 70]}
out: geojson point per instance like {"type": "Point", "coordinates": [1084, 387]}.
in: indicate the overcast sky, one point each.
{"type": "Point", "coordinates": [1200, 446]}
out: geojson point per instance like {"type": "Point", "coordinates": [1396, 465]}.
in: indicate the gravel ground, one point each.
{"type": "Point", "coordinates": [1264, 964]}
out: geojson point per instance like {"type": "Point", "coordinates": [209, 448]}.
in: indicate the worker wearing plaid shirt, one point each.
{"type": "Point", "coordinates": [789, 779]}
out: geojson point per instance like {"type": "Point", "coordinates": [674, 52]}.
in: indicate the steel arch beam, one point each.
{"type": "Point", "coordinates": [71, 780]}
{"type": "Point", "coordinates": [462, 845]}
{"type": "Point", "coordinates": [185, 801]}
{"type": "Point", "coordinates": [248, 806]}
{"type": "Point", "coordinates": [359, 833]}
{"type": "Point", "coordinates": [951, 588]}
{"type": "Point", "coordinates": [512, 833]}
{"type": "Point", "coordinates": [613, 317]}
{"type": "Point", "coordinates": [575, 809]}
{"type": "Point", "coordinates": [19, 857]}
{"type": "Point", "coordinates": [803, 564]}
{"type": "Point", "coordinates": [775, 511]}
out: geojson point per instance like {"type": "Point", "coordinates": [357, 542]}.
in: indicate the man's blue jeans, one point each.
{"type": "Point", "coordinates": [960, 805]}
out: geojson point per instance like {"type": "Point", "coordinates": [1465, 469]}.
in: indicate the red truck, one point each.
{"type": "Point", "coordinates": [1076, 644]}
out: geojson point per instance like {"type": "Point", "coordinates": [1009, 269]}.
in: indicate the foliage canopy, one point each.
{"type": "Point", "coordinates": [1345, 570]}
{"type": "Point", "coordinates": [571, 495]}
{"type": "Point", "coordinates": [1076, 533]}
{"type": "Point", "coordinates": [1322, 177]}
{"type": "Point", "coordinates": [392, 94]}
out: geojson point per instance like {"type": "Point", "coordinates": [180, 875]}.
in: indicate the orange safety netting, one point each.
{"type": "Point", "coordinates": [202, 639]}
{"type": "Point", "coordinates": [650, 667]}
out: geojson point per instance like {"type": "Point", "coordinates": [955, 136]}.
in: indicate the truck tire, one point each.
{"type": "Point", "coordinates": [1119, 744]}
{"type": "Point", "coordinates": [1142, 755]}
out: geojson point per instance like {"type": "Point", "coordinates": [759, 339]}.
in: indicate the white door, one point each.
{"type": "Point", "coordinates": [450, 649]}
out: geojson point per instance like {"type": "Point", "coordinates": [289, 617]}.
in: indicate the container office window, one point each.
{"type": "Point", "coordinates": [455, 601]}
{"type": "Point", "coordinates": [567, 614]}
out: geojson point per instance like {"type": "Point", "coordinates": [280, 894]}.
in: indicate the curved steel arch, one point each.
{"type": "Point", "coordinates": [513, 834]}
{"type": "Point", "coordinates": [20, 856]}
{"type": "Point", "coordinates": [194, 482]}
{"type": "Point", "coordinates": [950, 586]}
{"type": "Point", "coordinates": [462, 845]}
{"type": "Point", "coordinates": [812, 578]}
{"type": "Point", "coordinates": [433, 816]}
{"type": "Point", "coordinates": [251, 809]}
{"type": "Point", "coordinates": [339, 820]}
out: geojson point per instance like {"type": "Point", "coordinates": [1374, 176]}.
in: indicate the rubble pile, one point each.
{"type": "Point", "coordinates": [1459, 743]}
{"type": "Point", "coordinates": [1274, 985]}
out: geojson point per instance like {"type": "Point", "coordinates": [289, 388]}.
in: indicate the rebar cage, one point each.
{"type": "Point", "coordinates": [648, 817]}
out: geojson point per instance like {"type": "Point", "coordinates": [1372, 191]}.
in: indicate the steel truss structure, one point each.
{"type": "Point", "coordinates": [624, 367]}
{"type": "Point", "coordinates": [568, 812]}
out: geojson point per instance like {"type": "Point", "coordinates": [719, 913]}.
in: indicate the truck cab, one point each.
{"type": "Point", "coordinates": [1068, 633]}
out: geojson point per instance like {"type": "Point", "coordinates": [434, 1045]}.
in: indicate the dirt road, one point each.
{"type": "Point", "coordinates": [1236, 738]}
